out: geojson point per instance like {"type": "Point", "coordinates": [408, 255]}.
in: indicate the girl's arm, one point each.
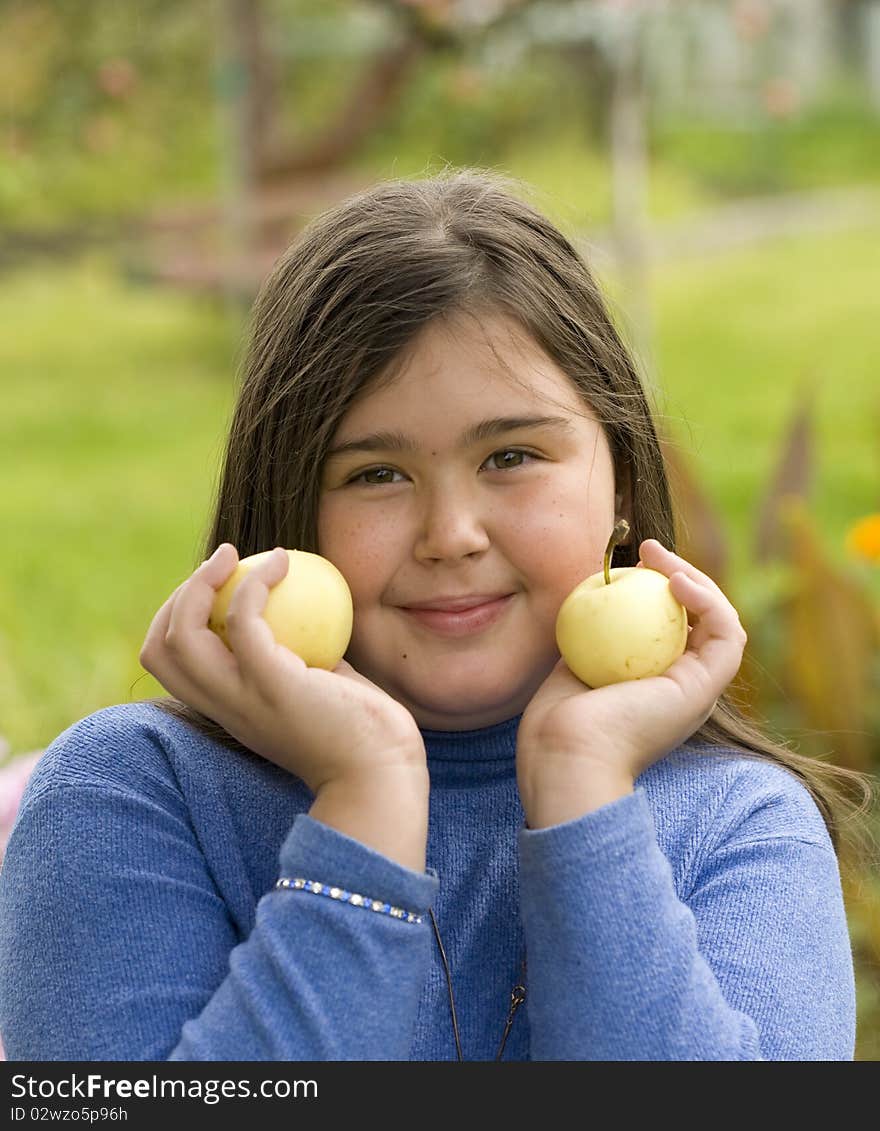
{"type": "Point", "coordinates": [757, 963]}
{"type": "Point", "coordinates": [117, 944]}
{"type": "Point", "coordinates": [346, 738]}
{"type": "Point", "coordinates": [754, 964]}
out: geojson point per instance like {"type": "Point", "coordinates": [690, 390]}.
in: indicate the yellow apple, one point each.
{"type": "Point", "coordinates": [629, 627]}
{"type": "Point", "coordinates": [309, 611]}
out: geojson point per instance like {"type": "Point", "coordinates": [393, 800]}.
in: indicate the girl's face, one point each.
{"type": "Point", "coordinates": [463, 508]}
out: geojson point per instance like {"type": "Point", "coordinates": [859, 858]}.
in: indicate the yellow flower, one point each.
{"type": "Point", "coordinates": [863, 539]}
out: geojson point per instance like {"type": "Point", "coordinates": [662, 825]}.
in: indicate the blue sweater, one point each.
{"type": "Point", "coordinates": [700, 918]}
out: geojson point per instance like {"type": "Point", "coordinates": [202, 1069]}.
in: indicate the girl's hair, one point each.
{"type": "Point", "coordinates": [336, 315]}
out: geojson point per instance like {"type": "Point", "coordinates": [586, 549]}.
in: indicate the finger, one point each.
{"type": "Point", "coordinates": [193, 605]}
{"type": "Point", "coordinates": [714, 614]}
{"type": "Point", "coordinates": [718, 638]}
{"type": "Point", "coordinates": [157, 633]}
{"type": "Point", "coordinates": [252, 640]}
{"type": "Point", "coordinates": [656, 556]}
{"type": "Point", "coordinates": [161, 622]}
{"type": "Point", "coordinates": [186, 656]}
{"type": "Point", "coordinates": [159, 625]}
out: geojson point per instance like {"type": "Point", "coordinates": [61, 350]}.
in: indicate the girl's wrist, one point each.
{"type": "Point", "coordinates": [557, 794]}
{"type": "Point", "coordinates": [387, 811]}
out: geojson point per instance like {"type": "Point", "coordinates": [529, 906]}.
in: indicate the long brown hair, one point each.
{"type": "Point", "coordinates": [336, 314]}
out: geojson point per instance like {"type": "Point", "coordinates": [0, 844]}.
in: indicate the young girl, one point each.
{"type": "Point", "coordinates": [448, 847]}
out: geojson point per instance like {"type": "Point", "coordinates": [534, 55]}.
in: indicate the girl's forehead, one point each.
{"type": "Point", "coordinates": [468, 366]}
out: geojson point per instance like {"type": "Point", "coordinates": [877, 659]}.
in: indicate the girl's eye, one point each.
{"type": "Point", "coordinates": [509, 457]}
{"type": "Point", "coordinates": [381, 476]}
{"type": "Point", "coordinates": [500, 460]}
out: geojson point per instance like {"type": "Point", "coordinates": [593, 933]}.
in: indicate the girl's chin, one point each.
{"type": "Point", "coordinates": [461, 692]}
{"type": "Point", "coordinates": [462, 708]}
{"type": "Point", "coordinates": [431, 720]}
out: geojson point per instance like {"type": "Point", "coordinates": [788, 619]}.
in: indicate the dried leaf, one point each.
{"type": "Point", "coordinates": [699, 535]}
{"type": "Point", "coordinates": [832, 640]}
{"type": "Point", "coordinates": [793, 476]}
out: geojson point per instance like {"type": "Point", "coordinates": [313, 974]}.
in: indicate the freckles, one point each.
{"type": "Point", "coordinates": [367, 551]}
{"type": "Point", "coordinates": [537, 520]}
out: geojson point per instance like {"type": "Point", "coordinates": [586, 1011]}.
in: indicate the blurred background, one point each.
{"type": "Point", "coordinates": [718, 163]}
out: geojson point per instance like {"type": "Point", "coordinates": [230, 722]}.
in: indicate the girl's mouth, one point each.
{"type": "Point", "coordinates": [464, 622]}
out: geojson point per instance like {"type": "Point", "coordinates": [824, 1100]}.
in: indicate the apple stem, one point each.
{"type": "Point", "coordinates": [618, 534]}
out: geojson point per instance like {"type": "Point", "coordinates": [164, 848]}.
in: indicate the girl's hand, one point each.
{"type": "Point", "coordinates": [578, 747]}
{"type": "Point", "coordinates": [322, 726]}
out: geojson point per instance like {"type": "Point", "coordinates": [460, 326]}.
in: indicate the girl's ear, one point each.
{"type": "Point", "coordinates": [623, 499]}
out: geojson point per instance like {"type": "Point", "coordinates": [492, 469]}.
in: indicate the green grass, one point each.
{"type": "Point", "coordinates": [739, 335]}
{"type": "Point", "coordinates": [834, 142]}
{"type": "Point", "coordinates": [114, 407]}
{"type": "Point", "coordinates": [116, 400]}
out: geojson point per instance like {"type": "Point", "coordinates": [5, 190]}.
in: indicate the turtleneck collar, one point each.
{"type": "Point", "coordinates": [472, 755]}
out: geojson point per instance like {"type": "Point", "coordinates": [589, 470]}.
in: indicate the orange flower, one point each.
{"type": "Point", "coordinates": [863, 539]}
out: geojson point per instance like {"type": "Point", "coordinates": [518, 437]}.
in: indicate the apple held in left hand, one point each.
{"type": "Point", "coordinates": [621, 623]}
{"type": "Point", "coordinates": [572, 735]}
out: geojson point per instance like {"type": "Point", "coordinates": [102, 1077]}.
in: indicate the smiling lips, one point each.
{"type": "Point", "coordinates": [459, 616]}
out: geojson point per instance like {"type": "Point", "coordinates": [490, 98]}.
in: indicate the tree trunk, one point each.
{"type": "Point", "coordinates": [629, 171]}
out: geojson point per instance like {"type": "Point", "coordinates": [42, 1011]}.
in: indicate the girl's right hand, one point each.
{"type": "Point", "coordinates": [323, 726]}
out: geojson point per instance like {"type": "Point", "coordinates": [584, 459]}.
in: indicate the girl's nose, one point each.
{"type": "Point", "coordinates": [451, 526]}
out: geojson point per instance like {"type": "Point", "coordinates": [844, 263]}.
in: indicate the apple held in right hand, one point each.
{"type": "Point", "coordinates": [310, 609]}
{"type": "Point", "coordinates": [621, 624]}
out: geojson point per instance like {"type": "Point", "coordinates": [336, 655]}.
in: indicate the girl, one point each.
{"type": "Point", "coordinates": [385, 861]}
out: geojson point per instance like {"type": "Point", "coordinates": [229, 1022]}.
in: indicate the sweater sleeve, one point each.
{"type": "Point", "coordinates": [115, 944]}
{"type": "Point", "coordinates": [755, 965]}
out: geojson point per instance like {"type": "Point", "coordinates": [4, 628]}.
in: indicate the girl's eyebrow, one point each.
{"type": "Point", "coordinates": [486, 429]}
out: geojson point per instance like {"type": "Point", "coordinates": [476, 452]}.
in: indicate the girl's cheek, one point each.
{"type": "Point", "coordinates": [362, 546]}
{"type": "Point", "coordinates": [340, 524]}
{"type": "Point", "coordinates": [560, 541]}
{"type": "Point", "coordinates": [550, 520]}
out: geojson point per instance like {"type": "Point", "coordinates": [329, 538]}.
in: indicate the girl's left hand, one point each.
{"type": "Point", "coordinates": [570, 733]}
